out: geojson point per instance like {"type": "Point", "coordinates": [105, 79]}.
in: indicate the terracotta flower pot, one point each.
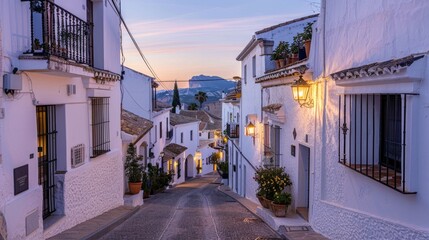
{"type": "Point", "coordinates": [277, 64]}
{"type": "Point", "coordinates": [279, 210]}
{"type": "Point", "coordinates": [281, 62]}
{"type": "Point", "coordinates": [307, 45]}
{"type": "Point", "coordinates": [135, 187]}
{"type": "Point", "coordinates": [266, 203]}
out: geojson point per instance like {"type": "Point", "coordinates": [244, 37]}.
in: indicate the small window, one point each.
{"type": "Point", "coordinates": [166, 127]}
{"type": "Point", "coordinates": [160, 129]}
{"type": "Point", "coordinates": [100, 126]}
{"type": "Point", "coordinates": [181, 137]}
{"type": "Point", "coordinates": [192, 135]}
{"type": "Point", "coordinates": [156, 132]}
{"type": "Point", "coordinates": [254, 66]}
{"type": "Point", "coordinates": [245, 74]}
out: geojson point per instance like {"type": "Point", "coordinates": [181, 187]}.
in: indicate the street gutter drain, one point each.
{"type": "Point", "coordinates": [230, 200]}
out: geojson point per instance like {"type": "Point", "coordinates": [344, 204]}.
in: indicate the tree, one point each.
{"type": "Point", "coordinates": [193, 106]}
{"type": "Point", "coordinates": [176, 98]}
{"type": "Point", "coordinates": [201, 97]}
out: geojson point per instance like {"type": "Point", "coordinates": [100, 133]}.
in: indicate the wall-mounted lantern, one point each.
{"type": "Point", "coordinates": [197, 156]}
{"type": "Point", "coordinates": [250, 130]}
{"type": "Point", "coordinates": [300, 91]}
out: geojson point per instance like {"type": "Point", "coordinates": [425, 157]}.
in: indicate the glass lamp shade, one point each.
{"type": "Point", "coordinates": [300, 89]}
{"type": "Point", "coordinates": [250, 129]}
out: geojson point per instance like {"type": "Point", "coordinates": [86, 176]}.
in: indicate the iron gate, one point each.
{"type": "Point", "coordinates": [47, 155]}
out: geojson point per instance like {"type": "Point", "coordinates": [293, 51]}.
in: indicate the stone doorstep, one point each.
{"type": "Point", "coordinates": [291, 219]}
{"type": "Point", "coordinates": [97, 227]}
{"type": "Point", "coordinates": [133, 200]}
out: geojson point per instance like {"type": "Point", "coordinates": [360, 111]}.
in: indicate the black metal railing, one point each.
{"type": "Point", "coordinates": [372, 136]}
{"type": "Point", "coordinates": [55, 31]}
{"type": "Point", "coordinates": [233, 130]}
{"type": "Point", "coordinates": [47, 155]}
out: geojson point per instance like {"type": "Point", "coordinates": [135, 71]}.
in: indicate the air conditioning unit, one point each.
{"type": "Point", "coordinates": [77, 155]}
{"type": "Point", "coordinates": [71, 89]}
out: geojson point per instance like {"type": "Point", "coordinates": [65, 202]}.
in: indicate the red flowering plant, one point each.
{"type": "Point", "coordinates": [271, 181]}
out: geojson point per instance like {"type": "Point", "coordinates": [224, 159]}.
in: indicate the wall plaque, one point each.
{"type": "Point", "coordinates": [20, 179]}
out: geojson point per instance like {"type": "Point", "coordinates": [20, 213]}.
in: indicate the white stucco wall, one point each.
{"type": "Point", "coordinates": [367, 209]}
{"type": "Point", "coordinates": [137, 96]}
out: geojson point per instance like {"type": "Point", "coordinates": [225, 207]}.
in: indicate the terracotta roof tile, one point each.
{"type": "Point", "coordinates": [134, 124]}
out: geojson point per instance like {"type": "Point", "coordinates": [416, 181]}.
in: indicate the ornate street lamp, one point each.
{"type": "Point", "coordinates": [300, 91]}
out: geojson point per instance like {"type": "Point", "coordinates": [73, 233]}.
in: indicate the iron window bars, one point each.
{"type": "Point", "coordinates": [372, 136]}
{"type": "Point", "coordinates": [100, 126]}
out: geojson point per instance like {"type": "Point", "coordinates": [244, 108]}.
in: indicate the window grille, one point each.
{"type": "Point", "coordinates": [372, 136]}
{"type": "Point", "coordinates": [272, 146]}
{"type": "Point", "coordinates": [100, 126]}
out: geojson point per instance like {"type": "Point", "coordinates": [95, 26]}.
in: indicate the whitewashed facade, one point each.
{"type": "Point", "coordinates": [184, 165]}
{"type": "Point", "coordinates": [259, 92]}
{"type": "Point", "coordinates": [48, 118]}
{"type": "Point", "coordinates": [392, 39]}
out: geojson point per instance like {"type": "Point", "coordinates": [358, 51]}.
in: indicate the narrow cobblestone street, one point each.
{"type": "Point", "coordinates": [193, 210]}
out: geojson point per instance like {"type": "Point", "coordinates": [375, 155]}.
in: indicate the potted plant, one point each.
{"type": "Point", "coordinates": [280, 53]}
{"type": "Point", "coordinates": [133, 170]}
{"type": "Point", "coordinates": [37, 46]}
{"type": "Point", "coordinates": [271, 180]}
{"type": "Point", "coordinates": [261, 198]}
{"type": "Point", "coordinates": [294, 49]}
{"type": "Point", "coordinates": [280, 203]}
{"type": "Point", "coordinates": [306, 37]}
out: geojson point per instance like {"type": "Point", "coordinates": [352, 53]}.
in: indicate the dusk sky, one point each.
{"type": "Point", "coordinates": [183, 38]}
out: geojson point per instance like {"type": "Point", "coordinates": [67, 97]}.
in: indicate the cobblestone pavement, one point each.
{"type": "Point", "coordinates": [193, 210]}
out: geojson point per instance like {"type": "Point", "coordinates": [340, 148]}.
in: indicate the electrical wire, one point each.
{"type": "Point", "coordinates": [136, 45]}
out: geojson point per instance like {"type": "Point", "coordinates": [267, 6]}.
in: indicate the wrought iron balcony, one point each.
{"type": "Point", "coordinates": [57, 32]}
{"type": "Point", "coordinates": [233, 130]}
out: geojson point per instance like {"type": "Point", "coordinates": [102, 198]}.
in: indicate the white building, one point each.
{"type": "Point", "coordinates": [371, 70]}
{"type": "Point", "coordinates": [264, 95]}
{"type": "Point", "coordinates": [184, 137]}
{"type": "Point", "coordinates": [208, 137]}
{"type": "Point", "coordinates": [60, 115]}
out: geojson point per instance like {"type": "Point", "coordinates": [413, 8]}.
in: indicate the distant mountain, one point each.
{"type": "Point", "coordinates": [215, 82]}
{"type": "Point", "coordinates": [213, 86]}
